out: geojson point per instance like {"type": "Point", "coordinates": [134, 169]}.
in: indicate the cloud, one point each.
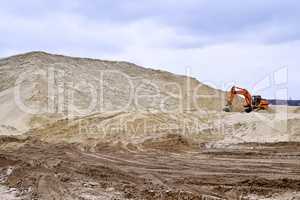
{"type": "Point", "coordinates": [76, 33]}
{"type": "Point", "coordinates": [222, 65]}
{"type": "Point", "coordinates": [208, 22]}
{"type": "Point", "coordinates": [219, 40]}
{"type": "Point", "coordinates": [216, 21]}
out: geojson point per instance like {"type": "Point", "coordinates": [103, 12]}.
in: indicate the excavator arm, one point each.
{"type": "Point", "coordinates": [240, 91]}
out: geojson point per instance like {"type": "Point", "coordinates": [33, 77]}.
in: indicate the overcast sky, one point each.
{"type": "Point", "coordinates": [251, 43]}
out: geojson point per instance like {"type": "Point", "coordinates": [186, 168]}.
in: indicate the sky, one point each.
{"type": "Point", "coordinates": [251, 43]}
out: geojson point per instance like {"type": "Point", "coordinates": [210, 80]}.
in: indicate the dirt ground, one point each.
{"type": "Point", "coordinates": [39, 170]}
{"type": "Point", "coordinates": [163, 144]}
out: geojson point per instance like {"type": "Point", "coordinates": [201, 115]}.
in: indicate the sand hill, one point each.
{"type": "Point", "coordinates": [37, 88]}
{"type": "Point", "coordinates": [76, 128]}
{"type": "Point", "coordinates": [86, 100]}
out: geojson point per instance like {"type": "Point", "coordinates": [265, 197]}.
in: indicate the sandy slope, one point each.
{"type": "Point", "coordinates": [156, 146]}
{"type": "Point", "coordinates": [214, 129]}
{"type": "Point", "coordinates": [68, 87]}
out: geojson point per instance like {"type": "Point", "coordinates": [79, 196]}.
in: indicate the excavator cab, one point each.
{"type": "Point", "coordinates": [256, 100]}
{"type": "Point", "coordinates": [259, 103]}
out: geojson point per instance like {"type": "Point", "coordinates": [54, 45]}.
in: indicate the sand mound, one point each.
{"type": "Point", "coordinates": [53, 85]}
{"type": "Point", "coordinates": [297, 110]}
{"type": "Point", "coordinates": [169, 142]}
{"type": "Point", "coordinates": [156, 146]}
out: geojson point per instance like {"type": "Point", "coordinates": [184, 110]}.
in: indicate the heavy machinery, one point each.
{"type": "Point", "coordinates": [252, 103]}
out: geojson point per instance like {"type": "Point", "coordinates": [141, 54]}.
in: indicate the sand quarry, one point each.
{"type": "Point", "coordinates": [86, 129]}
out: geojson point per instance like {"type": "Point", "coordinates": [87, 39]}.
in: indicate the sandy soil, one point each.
{"type": "Point", "coordinates": [62, 171]}
{"type": "Point", "coordinates": [158, 147]}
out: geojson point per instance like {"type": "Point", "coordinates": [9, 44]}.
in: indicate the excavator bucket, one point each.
{"type": "Point", "coordinates": [227, 109]}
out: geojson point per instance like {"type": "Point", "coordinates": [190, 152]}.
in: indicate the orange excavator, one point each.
{"type": "Point", "coordinates": [252, 103]}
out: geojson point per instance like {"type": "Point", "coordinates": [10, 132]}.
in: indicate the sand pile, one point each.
{"type": "Point", "coordinates": [132, 131]}
{"type": "Point", "coordinates": [81, 134]}
{"type": "Point", "coordinates": [81, 100]}
{"type": "Point", "coordinates": [37, 87]}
